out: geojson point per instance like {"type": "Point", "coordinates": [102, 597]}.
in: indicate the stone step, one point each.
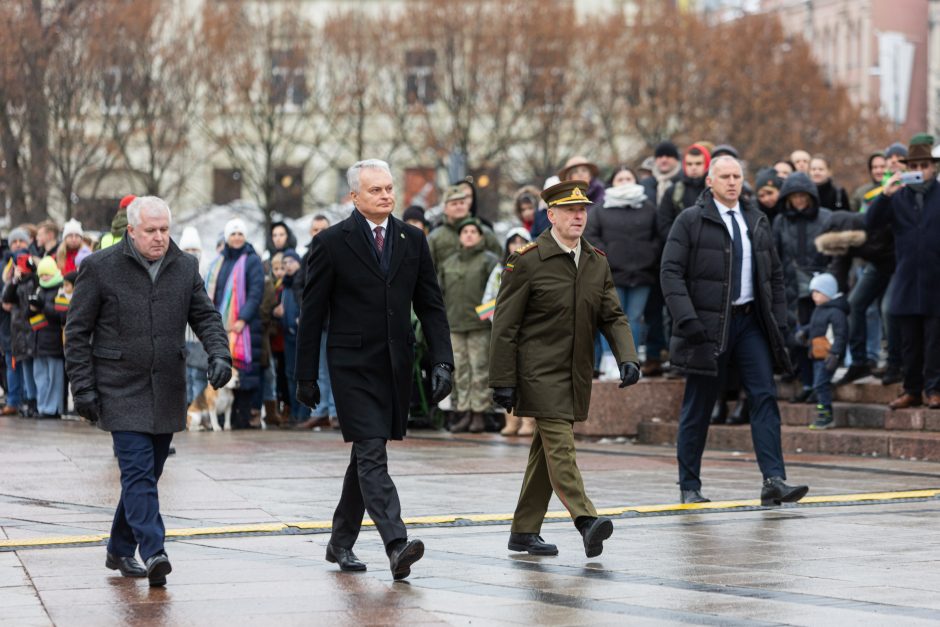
{"type": "Point", "coordinates": [911, 445]}
{"type": "Point", "coordinates": [867, 390]}
{"type": "Point", "coordinates": [865, 416]}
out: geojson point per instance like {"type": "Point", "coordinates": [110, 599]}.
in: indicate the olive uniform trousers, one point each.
{"type": "Point", "coordinates": [552, 467]}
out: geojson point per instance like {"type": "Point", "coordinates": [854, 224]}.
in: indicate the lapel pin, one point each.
{"type": "Point", "coordinates": [402, 235]}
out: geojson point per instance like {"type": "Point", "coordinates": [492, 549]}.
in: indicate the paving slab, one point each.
{"type": "Point", "coordinates": [872, 562]}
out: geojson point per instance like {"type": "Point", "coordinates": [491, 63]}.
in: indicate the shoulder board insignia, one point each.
{"type": "Point", "coordinates": [600, 252]}
{"type": "Point", "coordinates": [527, 248]}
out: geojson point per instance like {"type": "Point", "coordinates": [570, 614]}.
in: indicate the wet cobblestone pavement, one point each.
{"type": "Point", "coordinates": [821, 564]}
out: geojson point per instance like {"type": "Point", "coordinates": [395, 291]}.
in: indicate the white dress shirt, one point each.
{"type": "Point", "coordinates": [568, 249]}
{"type": "Point", "coordinates": [747, 277]}
{"type": "Point", "coordinates": [383, 224]}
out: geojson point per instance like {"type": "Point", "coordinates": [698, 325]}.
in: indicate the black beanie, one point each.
{"type": "Point", "coordinates": [666, 149]}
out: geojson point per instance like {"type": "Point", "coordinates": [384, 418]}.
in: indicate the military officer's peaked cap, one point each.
{"type": "Point", "coordinates": [566, 193]}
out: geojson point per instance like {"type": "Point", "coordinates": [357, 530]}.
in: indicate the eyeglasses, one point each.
{"type": "Point", "coordinates": [919, 165]}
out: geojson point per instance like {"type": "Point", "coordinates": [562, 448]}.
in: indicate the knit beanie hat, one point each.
{"type": "Point", "coordinates": [18, 235]}
{"type": "Point", "coordinates": [126, 201]}
{"type": "Point", "coordinates": [290, 253]}
{"type": "Point", "coordinates": [470, 222]}
{"type": "Point", "coordinates": [768, 177]}
{"type": "Point", "coordinates": [47, 266]}
{"type": "Point", "coordinates": [190, 239]}
{"type": "Point", "coordinates": [72, 227]}
{"type": "Point", "coordinates": [825, 284]}
{"type": "Point", "coordinates": [666, 149]}
{"type": "Point", "coordinates": [235, 225]}
{"type": "Point", "coordinates": [897, 149]}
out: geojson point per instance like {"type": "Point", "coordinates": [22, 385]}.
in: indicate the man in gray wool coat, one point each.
{"type": "Point", "coordinates": [125, 356]}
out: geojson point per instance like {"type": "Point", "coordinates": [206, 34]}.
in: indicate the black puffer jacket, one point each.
{"type": "Point", "coordinates": [679, 195]}
{"type": "Point", "coordinates": [833, 313]}
{"type": "Point", "coordinates": [628, 236]}
{"type": "Point", "coordinates": [49, 338]}
{"type": "Point", "coordinates": [22, 343]}
{"type": "Point", "coordinates": [795, 234]}
{"type": "Point", "coordinates": [696, 281]}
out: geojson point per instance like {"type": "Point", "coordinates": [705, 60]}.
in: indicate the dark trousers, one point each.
{"type": "Point", "coordinates": [921, 338]}
{"type": "Point", "coordinates": [241, 408]}
{"type": "Point", "coordinates": [798, 354]}
{"type": "Point", "coordinates": [870, 289]}
{"type": "Point", "coordinates": [749, 349]}
{"type": "Point", "coordinates": [137, 522]}
{"type": "Point", "coordinates": [822, 383]}
{"type": "Point", "coordinates": [656, 341]}
{"type": "Point", "coordinates": [367, 487]}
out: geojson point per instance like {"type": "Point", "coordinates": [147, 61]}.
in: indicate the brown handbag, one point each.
{"type": "Point", "coordinates": [820, 348]}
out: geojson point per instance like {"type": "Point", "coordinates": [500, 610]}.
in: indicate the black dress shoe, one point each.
{"type": "Point", "coordinates": [346, 559]}
{"type": "Point", "coordinates": [532, 543]}
{"type": "Point", "coordinates": [775, 492]}
{"type": "Point", "coordinates": [594, 535]}
{"type": "Point", "coordinates": [854, 373]}
{"type": "Point", "coordinates": [401, 557]}
{"type": "Point", "coordinates": [128, 566]}
{"type": "Point", "coordinates": [740, 414]}
{"type": "Point", "coordinates": [891, 376]}
{"type": "Point", "coordinates": [692, 496]}
{"type": "Point", "coordinates": [158, 567]}
{"type": "Point", "coordinates": [719, 413]}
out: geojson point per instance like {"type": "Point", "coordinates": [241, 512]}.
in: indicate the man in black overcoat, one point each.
{"type": "Point", "coordinates": [365, 274]}
{"type": "Point", "coordinates": [126, 360]}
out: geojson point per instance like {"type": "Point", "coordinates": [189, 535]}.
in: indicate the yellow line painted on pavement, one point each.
{"type": "Point", "coordinates": [14, 544]}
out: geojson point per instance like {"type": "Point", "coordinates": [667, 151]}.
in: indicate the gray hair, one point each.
{"type": "Point", "coordinates": [150, 204]}
{"type": "Point", "coordinates": [352, 174]}
{"type": "Point", "coordinates": [723, 159]}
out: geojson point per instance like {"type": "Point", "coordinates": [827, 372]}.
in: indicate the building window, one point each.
{"type": "Point", "coordinates": [226, 185]}
{"type": "Point", "coordinates": [419, 67]}
{"type": "Point", "coordinates": [116, 92]}
{"type": "Point", "coordinates": [289, 191]}
{"type": "Point", "coordinates": [288, 78]}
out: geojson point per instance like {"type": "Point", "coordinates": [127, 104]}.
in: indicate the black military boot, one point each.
{"type": "Point", "coordinates": [531, 543]}
{"type": "Point", "coordinates": [461, 422]}
{"type": "Point", "coordinates": [593, 532]}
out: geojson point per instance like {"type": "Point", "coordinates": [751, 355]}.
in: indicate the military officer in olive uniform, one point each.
{"type": "Point", "coordinates": [556, 293]}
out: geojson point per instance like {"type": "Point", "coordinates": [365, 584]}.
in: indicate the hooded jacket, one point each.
{"type": "Point", "coordinates": [795, 233]}
{"type": "Point", "coordinates": [833, 313]}
{"type": "Point", "coordinates": [291, 239]}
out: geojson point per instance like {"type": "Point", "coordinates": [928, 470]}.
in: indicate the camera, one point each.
{"type": "Point", "coordinates": [909, 178]}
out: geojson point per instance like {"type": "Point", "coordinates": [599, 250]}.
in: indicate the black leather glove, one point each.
{"type": "Point", "coordinates": [831, 362]}
{"type": "Point", "coordinates": [629, 373]}
{"type": "Point", "coordinates": [442, 382]}
{"type": "Point", "coordinates": [35, 302]}
{"type": "Point", "coordinates": [505, 398]}
{"type": "Point", "coordinates": [220, 372]}
{"type": "Point", "coordinates": [308, 393]}
{"type": "Point", "coordinates": [87, 406]}
{"type": "Point", "coordinates": [694, 331]}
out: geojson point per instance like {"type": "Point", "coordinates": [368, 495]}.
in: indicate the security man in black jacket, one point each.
{"type": "Point", "coordinates": [723, 285]}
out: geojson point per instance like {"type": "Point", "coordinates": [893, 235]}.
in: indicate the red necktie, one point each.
{"type": "Point", "coordinates": [379, 239]}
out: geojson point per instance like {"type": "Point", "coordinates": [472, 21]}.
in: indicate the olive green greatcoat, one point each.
{"type": "Point", "coordinates": [444, 241]}
{"type": "Point", "coordinates": [547, 313]}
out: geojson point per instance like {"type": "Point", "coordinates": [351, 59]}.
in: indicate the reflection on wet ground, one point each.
{"type": "Point", "coordinates": [871, 564]}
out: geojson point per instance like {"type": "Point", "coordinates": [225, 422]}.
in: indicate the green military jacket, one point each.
{"type": "Point", "coordinates": [444, 241]}
{"type": "Point", "coordinates": [547, 313]}
{"type": "Point", "coordinates": [463, 280]}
